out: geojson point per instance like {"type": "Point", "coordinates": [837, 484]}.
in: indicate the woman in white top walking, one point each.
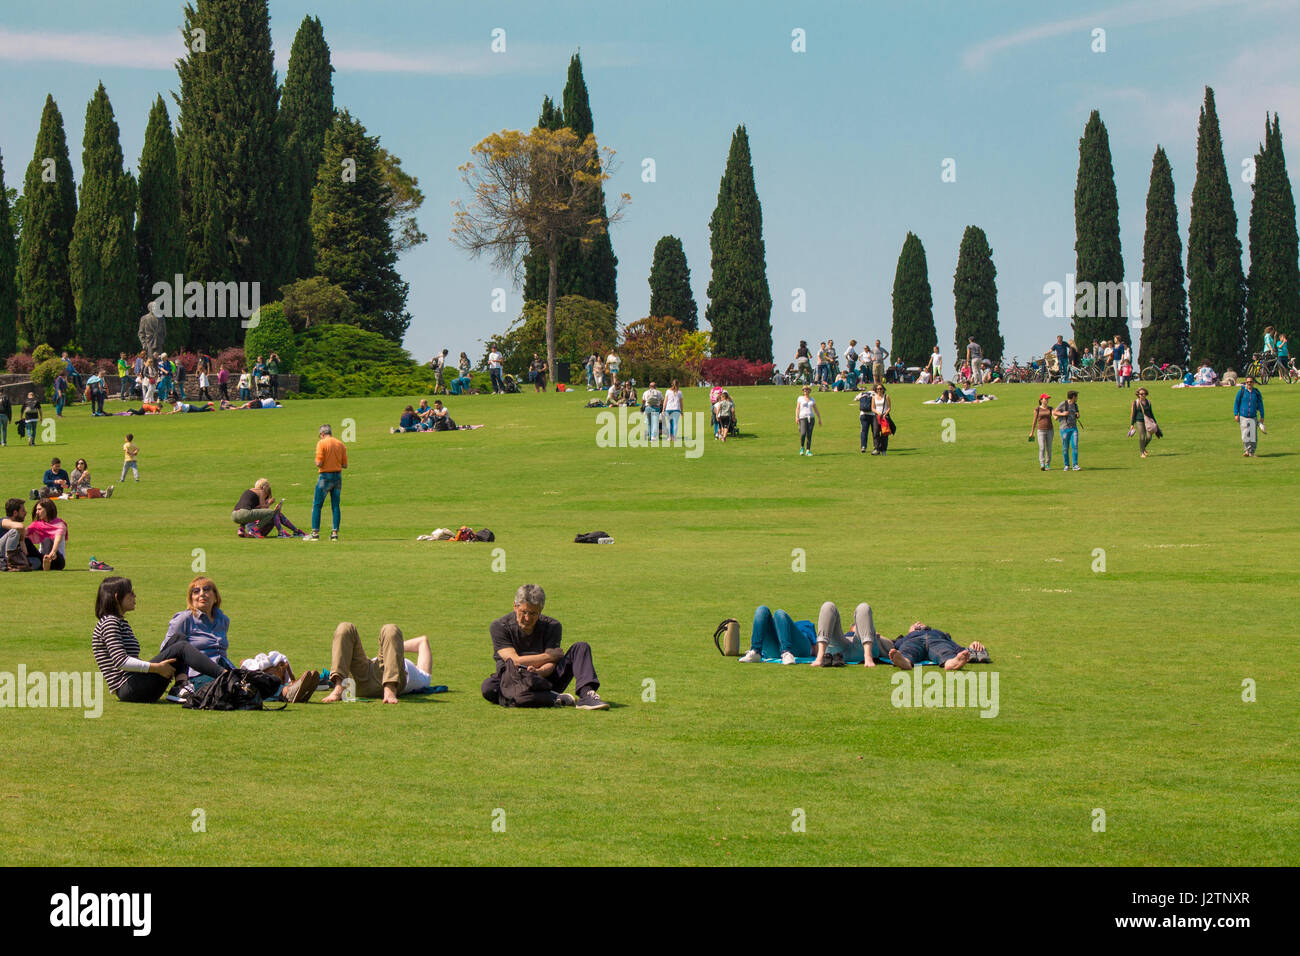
{"type": "Point", "coordinates": [673, 411]}
{"type": "Point", "coordinates": [880, 408]}
{"type": "Point", "coordinates": [804, 410]}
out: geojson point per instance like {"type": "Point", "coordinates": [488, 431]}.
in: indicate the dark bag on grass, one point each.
{"type": "Point", "coordinates": [484, 534]}
{"type": "Point", "coordinates": [521, 687]}
{"type": "Point", "coordinates": [236, 689]}
{"type": "Point", "coordinates": [591, 537]}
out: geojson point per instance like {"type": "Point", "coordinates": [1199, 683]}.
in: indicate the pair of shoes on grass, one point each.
{"type": "Point", "coordinates": [588, 700]}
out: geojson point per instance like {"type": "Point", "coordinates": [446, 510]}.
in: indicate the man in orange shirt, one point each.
{"type": "Point", "coordinates": [331, 459]}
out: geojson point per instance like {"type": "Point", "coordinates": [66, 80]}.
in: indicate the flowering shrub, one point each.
{"type": "Point", "coordinates": [20, 363]}
{"type": "Point", "coordinates": [230, 359]}
{"type": "Point", "coordinates": [735, 371]}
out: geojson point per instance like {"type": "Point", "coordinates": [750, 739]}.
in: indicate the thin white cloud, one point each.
{"type": "Point", "coordinates": [981, 54]}
{"type": "Point", "coordinates": [160, 52]}
{"type": "Point", "coordinates": [139, 51]}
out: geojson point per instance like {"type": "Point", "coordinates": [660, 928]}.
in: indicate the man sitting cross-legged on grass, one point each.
{"type": "Point", "coordinates": [532, 641]}
{"type": "Point", "coordinates": [923, 642]}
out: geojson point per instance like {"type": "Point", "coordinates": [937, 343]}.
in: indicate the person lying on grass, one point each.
{"type": "Point", "coordinates": [388, 676]}
{"type": "Point", "coordinates": [182, 408]}
{"type": "Point", "coordinates": [117, 651]}
{"type": "Point", "coordinates": [776, 632]}
{"type": "Point", "coordinates": [531, 640]}
{"type": "Point", "coordinates": [255, 404]}
{"type": "Point", "coordinates": [923, 642]}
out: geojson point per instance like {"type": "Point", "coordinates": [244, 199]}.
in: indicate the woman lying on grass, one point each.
{"type": "Point", "coordinates": [117, 652]}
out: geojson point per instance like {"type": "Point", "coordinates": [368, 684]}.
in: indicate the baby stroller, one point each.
{"type": "Point", "coordinates": [263, 386]}
{"type": "Point", "coordinates": [511, 384]}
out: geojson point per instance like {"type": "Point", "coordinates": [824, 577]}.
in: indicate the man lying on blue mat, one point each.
{"type": "Point", "coordinates": [922, 643]}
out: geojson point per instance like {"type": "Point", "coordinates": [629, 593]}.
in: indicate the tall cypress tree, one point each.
{"type": "Point", "coordinates": [1100, 310]}
{"type": "Point", "coordinates": [306, 111]}
{"type": "Point", "coordinates": [349, 221]}
{"type": "Point", "coordinates": [103, 255]}
{"type": "Point", "coordinates": [670, 284]}
{"type": "Point", "coordinates": [159, 240]}
{"type": "Point", "coordinates": [740, 301]}
{"type": "Point", "coordinates": [8, 275]}
{"type": "Point", "coordinates": [1164, 339]}
{"type": "Point", "coordinates": [230, 157]}
{"type": "Point", "coordinates": [975, 291]}
{"type": "Point", "coordinates": [50, 198]}
{"type": "Point", "coordinates": [914, 336]}
{"type": "Point", "coordinates": [537, 267]}
{"type": "Point", "coordinates": [1216, 288]}
{"type": "Point", "coordinates": [1273, 287]}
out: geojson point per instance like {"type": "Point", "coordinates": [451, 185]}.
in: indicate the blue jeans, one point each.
{"type": "Point", "coordinates": [498, 383]}
{"type": "Point", "coordinates": [1069, 444]}
{"type": "Point", "coordinates": [776, 633]}
{"type": "Point", "coordinates": [4, 429]}
{"type": "Point", "coordinates": [332, 482]}
{"type": "Point", "coordinates": [652, 422]}
{"type": "Point", "coordinates": [126, 385]}
{"type": "Point", "coordinates": [931, 645]}
{"type": "Point", "coordinates": [674, 424]}
{"type": "Point", "coordinates": [59, 401]}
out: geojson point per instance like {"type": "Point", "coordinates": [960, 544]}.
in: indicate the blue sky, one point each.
{"type": "Point", "coordinates": [848, 137]}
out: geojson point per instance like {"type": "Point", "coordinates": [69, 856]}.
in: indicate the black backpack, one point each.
{"type": "Point", "coordinates": [521, 687]}
{"type": "Point", "coordinates": [591, 537]}
{"type": "Point", "coordinates": [236, 689]}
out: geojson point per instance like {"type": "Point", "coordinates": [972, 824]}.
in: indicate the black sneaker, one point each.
{"type": "Point", "coordinates": [591, 701]}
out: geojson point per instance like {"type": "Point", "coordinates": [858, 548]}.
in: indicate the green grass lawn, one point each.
{"type": "Point", "coordinates": [1120, 690]}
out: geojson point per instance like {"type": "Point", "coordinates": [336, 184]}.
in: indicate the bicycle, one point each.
{"type": "Point", "coordinates": [1164, 372]}
{"type": "Point", "coordinates": [1266, 365]}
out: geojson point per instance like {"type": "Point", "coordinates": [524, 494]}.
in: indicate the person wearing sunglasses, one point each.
{"type": "Point", "coordinates": [117, 651]}
{"type": "Point", "coordinates": [202, 624]}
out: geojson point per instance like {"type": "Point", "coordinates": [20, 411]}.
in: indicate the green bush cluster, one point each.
{"type": "Point", "coordinates": [343, 361]}
{"type": "Point", "coordinates": [43, 353]}
{"type": "Point", "coordinates": [272, 332]}
{"type": "Point", "coordinates": [47, 371]}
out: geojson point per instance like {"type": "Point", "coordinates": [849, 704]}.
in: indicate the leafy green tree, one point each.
{"type": "Point", "coordinates": [349, 221]}
{"type": "Point", "coordinates": [670, 284]}
{"type": "Point", "coordinates": [229, 154]}
{"type": "Point", "coordinates": [8, 275]}
{"type": "Point", "coordinates": [1273, 287]}
{"type": "Point", "coordinates": [1100, 310]}
{"type": "Point", "coordinates": [159, 238]}
{"type": "Point", "coordinates": [740, 301]}
{"type": "Point", "coordinates": [316, 301]}
{"type": "Point", "coordinates": [406, 199]}
{"type": "Point", "coordinates": [975, 291]}
{"type": "Point", "coordinates": [1164, 338]}
{"type": "Point", "coordinates": [1216, 288]}
{"type": "Point", "coordinates": [914, 336]}
{"type": "Point", "coordinates": [306, 112]}
{"type": "Point", "coordinates": [50, 210]}
{"type": "Point", "coordinates": [532, 191]}
{"type": "Point", "coordinates": [103, 254]}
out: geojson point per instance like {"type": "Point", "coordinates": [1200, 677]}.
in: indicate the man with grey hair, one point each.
{"type": "Point", "coordinates": [529, 639]}
{"type": "Point", "coordinates": [331, 459]}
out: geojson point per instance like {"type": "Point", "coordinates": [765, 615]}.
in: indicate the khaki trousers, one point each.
{"type": "Point", "coordinates": [348, 659]}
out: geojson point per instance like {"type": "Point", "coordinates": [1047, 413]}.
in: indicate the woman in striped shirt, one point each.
{"type": "Point", "coordinates": [117, 652]}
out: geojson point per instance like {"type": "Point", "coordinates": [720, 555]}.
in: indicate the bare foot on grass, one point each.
{"type": "Point", "coordinates": [898, 660]}
{"type": "Point", "coordinates": [334, 696]}
{"type": "Point", "coordinates": [958, 662]}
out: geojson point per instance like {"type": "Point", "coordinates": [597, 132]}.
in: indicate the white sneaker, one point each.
{"type": "Point", "coordinates": [787, 658]}
{"type": "Point", "coordinates": [751, 657]}
{"type": "Point", "coordinates": [1076, 467]}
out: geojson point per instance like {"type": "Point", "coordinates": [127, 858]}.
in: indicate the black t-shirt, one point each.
{"type": "Point", "coordinates": [506, 632]}
{"type": "Point", "coordinates": [249, 500]}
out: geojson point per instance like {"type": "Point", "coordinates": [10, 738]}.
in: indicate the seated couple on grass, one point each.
{"type": "Point", "coordinates": [776, 633]}
{"type": "Point", "coordinates": [425, 419]}
{"type": "Point", "coordinates": [257, 514]}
